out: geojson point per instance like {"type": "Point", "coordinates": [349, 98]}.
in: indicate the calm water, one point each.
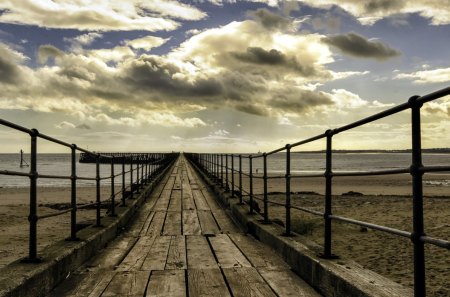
{"type": "Point", "coordinates": [59, 164]}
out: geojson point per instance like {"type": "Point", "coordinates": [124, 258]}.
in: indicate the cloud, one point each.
{"type": "Point", "coordinates": [87, 39]}
{"type": "Point", "coordinates": [146, 43]}
{"type": "Point", "coordinates": [84, 127]}
{"type": "Point", "coordinates": [358, 46]}
{"type": "Point", "coordinates": [10, 71]}
{"type": "Point", "coordinates": [439, 75]}
{"type": "Point", "coordinates": [65, 124]}
{"type": "Point", "coordinates": [93, 15]}
{"type": "Point", "coordinates": [270, 20]}
{"type": "Point", "coordinates": [48, 51]}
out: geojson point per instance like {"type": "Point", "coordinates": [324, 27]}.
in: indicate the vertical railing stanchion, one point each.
{"type": "Point", "coordinates": [131, 177]}
{"type": "Point", "coordinates": [266, 209]}
{"type": "Point", "coordinates": [73, 199]}
{"type": "Point", "coordinates": [97, 191]}
{"type": "Point", "coordinates": [113, 194]}
{"type": "Point", "coordinates": [328, 191]}
{"type": "Point", "coordinates": [32, 217]}
{"type": "Point", "coordinates": [288, 190]}
{"type": "Point", "coordinates": [417, 193]}
{"type": "Point", "coordinates": [250, 159]}
{"type": "Point", "coordinates": [232, 176]}
{"type": "Point", "coordinates": [123, 181]}
{"type": "Point", "coordinates": [227, 187]}
{"type": "Point", "coordinates": [221, 170]}
{"type": "Point", "coordinates": [137, 175]}
{"type": "Point", "coordinates": [240, 179]}
{"type": "Point", "coordinates": [142, 171]}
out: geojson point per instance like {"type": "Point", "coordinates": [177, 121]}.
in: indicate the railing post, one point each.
{"type": "Point", "coordinates": [113, 194]}
{"type": "Point", "coordinates": [240, 179]}
{"type": "Point", "coordinates": [221, 170]}
{"type": "Point", "coordinates": [227, 187]}
{"type": "Point", "coordinates": [73, 200]}
{"type": "Point", "coordinates": [123, 181]}
{"type": "Point", "coordinates": [288, 190]}
{"type": "Point", "coordinates": [250, 159]}
{"type": "Point", "coordinates": [328, 191]}
{"type": "Point", "coordinates": [142, 170]}
{"type": "Point", "coordinates": [97, 190]}
{"type": "Point", "coordinates": [137, 175]}
{"type": "Point", "coordinates": [266, 209]}
{"type": "Point", "coordinates": [32, 217]}
{"type": "Point", "coordinates": [417, 193]}
{"type": "Point", "coordinates": [131, 177]}
{"type": "Point", "coordinates": [232, 176]}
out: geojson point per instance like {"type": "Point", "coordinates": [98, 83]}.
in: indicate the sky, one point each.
{"type": "Point", "coordinates": [221, 75]}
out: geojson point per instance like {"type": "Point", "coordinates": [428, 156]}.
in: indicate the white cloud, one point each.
{"type": "Point", "coordinates": [88, 38]}
{"type": "Point", "coordinates": [146, 43]}
{"type": "Point", "coordinates": [347, 99]}
{"type": "Point", "coordinates": [427, 76]}
{"type": "Point", "coordinates": [95, 15]}
{"type": "Point", "coordinates": [65, 124]}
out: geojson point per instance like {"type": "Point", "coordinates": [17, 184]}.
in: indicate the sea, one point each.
{"type": "Point", "coordinates": [301, 163]}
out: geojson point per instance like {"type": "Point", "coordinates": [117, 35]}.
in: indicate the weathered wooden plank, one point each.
{"type": "Point", "coordinates": [86, 283]}
{"type": "Point", "coordinates": [226, 225]}
{"type": "Point", "coordinates": [136, 256]}
{"type": "Point", "coordinates": [206, 282]}
{"type": "Point", "coordinates": [188, 200]}
{"type": "Point", "coordinates": [112, 255]}
{"type": "Point", "coordinates": [127, 283]}
{"type": "Point", "coordinates": [172, 224]}
{"type": "Point", "coordinates": [246, 282]}
{"type": "Point", "coordinates": [227, 254]}
{"type": "Point", "coordinates": [163, 201]}
{"type": "Point", "coordinates": [207, 222]}
{"type": "Point", "coordinates": [199, 254]}
{"type": "Point", "coordinates": [176, 258]}
{"type": "Point", "coordinates": [259, 254]}
{"type": "Point", "coordinates": [157, 254]}
{"type": "Point", "coordinates": [167, 283]}
{"type": "Point", "coordinates": [200, 202]}
{"type": "Point", "coordinates": [157, 224]}
{"type": "Point", "coordinates": [175, 200]}
{"type": "Point", "coordinates": [286, 283]}
{"type": "Point", "coordinates": [147, 223]}
{"type": "Point", "coordinates": [191, 224]}
{"type": "Point", "coordinates": [212, 202]}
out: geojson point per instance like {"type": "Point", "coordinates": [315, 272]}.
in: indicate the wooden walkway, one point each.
{"type": "Point", "coordinates": [183, 243]}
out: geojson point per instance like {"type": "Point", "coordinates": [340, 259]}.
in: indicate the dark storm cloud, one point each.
{"type": "Point", "coordinates": [10, 72]}
{"type": "Point", "coordinates": [358, 46]}
{"type": "Point", "coordinates": [273, 57]}
{"type": "Point", "coordinates": [154, 74]}
{"type": "Point", "coordinates": [270, 20]}
{"type": "Point", "coordinates": [84, 127]}
{"type": "Point", "coordinates": [299, 101]}
{"type": "Point", "coordinates": [383, 5]}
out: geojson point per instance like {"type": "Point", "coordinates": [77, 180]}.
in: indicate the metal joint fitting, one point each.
{"type": "Point", "coordinates": [73, 146]}
{"type": "Point", "coordinates": [416, 169]}
{"type": "Point", "coordinates": [415, 237]}
{"type": "Point", "coordinates": [34, 133]}
{"type": "Point", "coordinates": [412, 102]}
{"type": "Point", "coordinates": [33, 218]}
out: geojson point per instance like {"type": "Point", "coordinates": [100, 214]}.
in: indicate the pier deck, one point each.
{"type": "Point", "coordinates": [183, 243]}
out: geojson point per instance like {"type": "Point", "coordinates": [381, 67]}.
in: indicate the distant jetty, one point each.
{"type": "Point", "coordinates": [119, 158]}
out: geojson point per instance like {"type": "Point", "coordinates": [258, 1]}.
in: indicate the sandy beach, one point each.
{"type": "Point", "coordinates": [14, 210]}
{"type": "Point", "coordinates": [385, 201]}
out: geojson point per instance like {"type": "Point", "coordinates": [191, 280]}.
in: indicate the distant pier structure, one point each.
{"type": "Point", "coordinates": [119, 158]}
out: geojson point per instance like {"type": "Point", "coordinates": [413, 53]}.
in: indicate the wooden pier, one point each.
{"type": "Point", "coordinates": [183, 243]}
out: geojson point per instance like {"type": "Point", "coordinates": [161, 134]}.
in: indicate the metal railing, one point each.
{"type": "Point", "coordinates": [213, 164]}
{"type": "Point", "coordinates": [147, 166]}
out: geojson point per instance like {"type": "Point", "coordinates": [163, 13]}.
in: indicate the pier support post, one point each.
{"type": "Point", "coordinates": [288, 191]}
{"type": "Point", "coordinates": [251, 183]}
{"type": "Point", "coordinates": [97, 190]}
{"type": "Point", "coordinates": [73, 200]}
